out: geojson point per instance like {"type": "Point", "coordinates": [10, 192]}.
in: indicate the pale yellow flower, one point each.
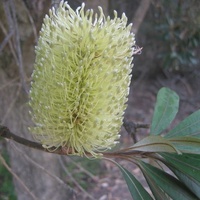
{"type": "Point", "coordinates": [81, 79]}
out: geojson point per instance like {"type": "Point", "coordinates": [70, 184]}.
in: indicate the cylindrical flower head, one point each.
{"type": "Point", "coordinates": [81, 79]}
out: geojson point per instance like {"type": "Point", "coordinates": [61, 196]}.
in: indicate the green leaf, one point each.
{"type": "Point", "coordinates": [169, 184]}
{"type": "Point", "coordinates": [187, 169]}
{"type": "Point", "coordinates": [154, 144]}
{"type": "Point", "coordinates": [157, 192]}
{"type": "Point", "coordinates": [186, 144]}
{"type": "Point", "coordinates": [136, 189]}
{"type": "Point", "coordinates": [165, 110]}
{"type": "Point", "coordinates": [190, 126]}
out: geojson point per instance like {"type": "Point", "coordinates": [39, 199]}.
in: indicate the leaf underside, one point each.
{"type": "Point", "coordinates": [166, 108]}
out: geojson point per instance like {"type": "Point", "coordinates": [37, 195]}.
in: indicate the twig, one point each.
{"type": "Point", "coordinates": [140, 14]}
{"type": "Point", "coordinates": [11, 106]}
{"type": "Point", "coordinates": [18, 47]}
{"type": "Point", "coordinates": [10, 11]}
{"type": "Point", "coordinates": [17, 177]}
{"type": "Point", "coordinates": [5, 132]}
{"type": "Point", "coordinates": [132, 127]}
{"type": "Point", "coordinates": [74, 180]}
{"type": "Point", "coordinates": [5, 41]}
{"type": "Point", "coordinates": [94, 178]}
{"type": "Point", "coordinates": [32, 22]}
{"type": "Point", "coordinates": [9, 41]}
{"type": "Point", "coordinates": [60, 181]}
{"type": "Point", "coordinates": [9, 83]}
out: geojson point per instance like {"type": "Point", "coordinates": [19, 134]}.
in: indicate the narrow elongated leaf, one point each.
{"type": "Point", "coordinates": [190, 126]}
{"type": "Point", "coordinates": [189, 163]}
{"type": "Point", "coordinates": [172, 186]}
{"type": "Point", "coordinates": [165, 110]}
{"type": "Point", "coordinates": [136, 189]}
{"type": "Point", "coordinates": [154, 144]}
{"type": "Point", "coordinates": [192, 184]}
{"type": "Point", "coordinates": [156, 190]}
{"type": "Point", "coordinates": [187, 169]}
{"type": "Point", "coordinates": [186, 144]}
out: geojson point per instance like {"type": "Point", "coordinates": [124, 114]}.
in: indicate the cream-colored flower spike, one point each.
{"type": "Point", "coordinates": [81, 80]}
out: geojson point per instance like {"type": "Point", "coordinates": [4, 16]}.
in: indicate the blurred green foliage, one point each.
{"type": "Point", "coordinates": [7, 191]}
{"type": "Point", "coordinates": [92, 166]}
{"type": "Point", "coordinates": [177, 26]}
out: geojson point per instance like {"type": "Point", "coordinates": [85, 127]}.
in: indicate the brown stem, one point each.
{"type": "Point", "coordinates": [2, 160]}
{"type": "Point", "coordinates": [132, 127]}
{"type": "Point", "coordinates": [140, 14]}
{"type": "Point", "coordinates": [6, 133]}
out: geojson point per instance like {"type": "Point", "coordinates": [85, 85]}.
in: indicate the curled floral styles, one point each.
{"type": "Point", "coordinates": [81, 80]}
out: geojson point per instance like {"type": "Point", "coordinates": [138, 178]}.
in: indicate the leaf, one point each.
{"type": "Point", "coordinates": [172, 186]}
{"type": "Point", "coordinates": [186, 144]}
{"type": "Point", "coordinates": [190, 126]}
{"type": "Point", "coordinates": [157, 192]}
{"type": "Point", "coordinates": [154, 144]}
{"type": "Point", "coordinates": [165, 110]}
{"type": "Point", "coordinates": [187, 169]}
{"type": "Point", "coordinates": [136, 189]}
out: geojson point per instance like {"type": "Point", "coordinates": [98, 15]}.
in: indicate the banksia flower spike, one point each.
{"type": "Point", "coordinates": [81, 80]}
